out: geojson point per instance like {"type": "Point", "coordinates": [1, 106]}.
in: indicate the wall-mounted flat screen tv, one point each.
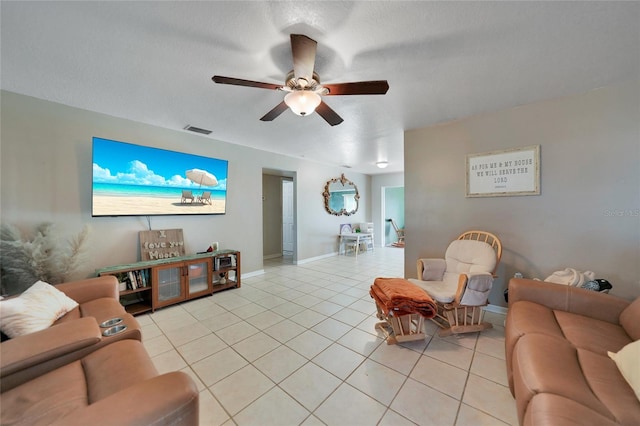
{"type": "Point", "coordinates": [134, 180]}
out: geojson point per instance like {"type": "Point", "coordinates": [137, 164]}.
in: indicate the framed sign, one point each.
{"type": "Point", "coordinates": [161, 244]}
{"type": "Point", "coordinates": [504, 173]}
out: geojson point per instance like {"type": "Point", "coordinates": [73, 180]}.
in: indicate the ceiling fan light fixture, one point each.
{"type": "Point", "coordinates": [382, 164]}
{"type": "Point", "coordinates": [302, 102]}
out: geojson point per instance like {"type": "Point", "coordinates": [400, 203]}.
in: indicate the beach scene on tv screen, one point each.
{"type": "Point", "coordinates": [131, 179]}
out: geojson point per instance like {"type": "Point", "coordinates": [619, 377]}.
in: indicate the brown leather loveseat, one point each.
{"type": "Point", "coordinates": [114, 385]}
{"type": "Point", "coordinates": [557, 339]}
{"type": "Point", "coordinates": [74, 335]}
{"type": "Point", "coordinates": [71, 374]}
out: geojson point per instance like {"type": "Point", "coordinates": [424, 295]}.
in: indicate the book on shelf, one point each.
{"type": "Point", "coordinates": [132, 280]}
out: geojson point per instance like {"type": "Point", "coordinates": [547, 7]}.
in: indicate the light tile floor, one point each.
{"type": "Point", "coordinates": [297, 346]}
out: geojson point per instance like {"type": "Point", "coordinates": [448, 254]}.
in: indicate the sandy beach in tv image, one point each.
{"type": "Point", "coordinates": [136, 180]}
{"type": "Point", "coordinates": [121, 205]}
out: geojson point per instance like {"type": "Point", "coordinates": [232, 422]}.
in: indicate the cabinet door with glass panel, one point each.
{"type": "Point", "coordinates": [198, 278]}
{"type": "Point", "coordinates": [176, 282]}
{"type": "Point", "coordinates": [169, 284]}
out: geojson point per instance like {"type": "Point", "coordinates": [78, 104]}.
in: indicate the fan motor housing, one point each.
{"type": "Point", "coordinates": [292, 82]}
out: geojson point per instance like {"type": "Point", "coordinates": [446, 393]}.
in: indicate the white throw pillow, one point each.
{"type": "Point", "coordinates": [34, 310]}
{"type": "Point", "coordinates": [628, 362]}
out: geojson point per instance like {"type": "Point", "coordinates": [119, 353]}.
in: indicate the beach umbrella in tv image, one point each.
{"type": "Point", "coordinates": [201, 177]}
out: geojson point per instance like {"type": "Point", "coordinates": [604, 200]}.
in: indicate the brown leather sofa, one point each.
{"type": "Point", "coordinates": [114, 385]}
{"type": "Point", "coordinates": [556, 341]}
{"type": "Point", "coordinates": [70, 374]}
{"type": "Point", "coordinates": [71, 337]}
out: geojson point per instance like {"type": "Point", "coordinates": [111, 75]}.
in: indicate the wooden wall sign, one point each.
{"type": "Point", "coordinates": [504, 173]}
{"type": "Point", "coordinates": [161, 244]}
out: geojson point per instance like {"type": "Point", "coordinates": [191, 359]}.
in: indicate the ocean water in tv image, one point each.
{"type": "Point", "coordinates": [135, 180]}
{"type": "Point", "coordinates": [124, 190]}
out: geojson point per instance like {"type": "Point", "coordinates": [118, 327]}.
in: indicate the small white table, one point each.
{"type": "Point", "coordinates": [358, 237]}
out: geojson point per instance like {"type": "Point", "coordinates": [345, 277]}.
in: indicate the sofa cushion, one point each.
{"type": "Point", "coordinates": [34, 310]}
{"type": "Point", "coordinates": [546, 364]}
{"type": "Point", "coordinates": [610, 387]}
{"type": "Point", "coordinates": [527, 317]}
{"type": "Point", "coordinates": [549, 409]}
{"type": "Point", "coordinates": [47, 398]}
{"type": "Point", "coordinates": [73, 314]}
{"type": "Point", "coordinates": [102, 309]}
{"type": "Point", "coordinates": [116, 367]}
{"type": "Point", "coordinates": [630, 319]}
{"type": "Point", "coordinates": [591, 334]}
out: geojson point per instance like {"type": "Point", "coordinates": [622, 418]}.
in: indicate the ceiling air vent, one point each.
{"type": "Point", "coordinates": [197, 129]}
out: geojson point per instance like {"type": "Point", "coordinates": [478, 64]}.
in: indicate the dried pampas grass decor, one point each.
{"type": "Point", "coordinates": [45, 256]}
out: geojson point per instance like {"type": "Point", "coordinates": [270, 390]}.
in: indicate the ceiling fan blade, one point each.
{"type": "Point", "coordinates": [375, 87]}
{"type": "Point", "coordinates": [329, 115]}
{"type": "Point", "coordinates": [248, 83]}
{"type": "Point", "coordinates": [275, 112]}
{"type": "Point", "coordinates": [303, 50]}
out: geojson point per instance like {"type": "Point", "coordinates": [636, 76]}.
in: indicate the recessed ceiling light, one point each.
{"type": "Point", "coordinates": [382, 164]}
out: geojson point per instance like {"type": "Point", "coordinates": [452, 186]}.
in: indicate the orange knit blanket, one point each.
{"type": "Point", "coordinates": [400, 297]}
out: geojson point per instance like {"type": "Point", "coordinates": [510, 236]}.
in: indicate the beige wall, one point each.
{"type": "Point", "coordinates": [45, 156]}
{"type": "Point", "coordinates": [271, 215]}
{"type": "Point", "coordinates": [587, 216]}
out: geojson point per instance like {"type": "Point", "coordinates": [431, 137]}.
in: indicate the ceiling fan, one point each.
{"type": "Point", "coordinates": [303, 85]}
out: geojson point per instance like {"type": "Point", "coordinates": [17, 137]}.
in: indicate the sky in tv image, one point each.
{"type": "Point", "coordinates": [131, 179]}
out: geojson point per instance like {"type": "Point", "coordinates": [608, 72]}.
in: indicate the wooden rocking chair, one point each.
{"type": "Point", "coordinates": [460, 283]}
{"type": "Point", "coordinates": [399, 234]}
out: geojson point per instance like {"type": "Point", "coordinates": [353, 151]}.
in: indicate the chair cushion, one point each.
{"type": "Point", "coordinates": [433, 269]}
{"type": "Point", "coordinates": [464, 256]}
{"type": "Point", "coordinates": [440, 291]}
{"type": "Point", "coordinates": [34, 310]}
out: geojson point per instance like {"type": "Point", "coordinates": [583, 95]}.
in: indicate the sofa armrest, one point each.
{"type": "Point", "coordinates": [145, 403]}
{"type": "Point", "coordinates": [431, 269]}
{"type": "Point", "coordinates": [23, 352]}
{"type": "Point", "coordinates": [92, 288]}
{"type": "Point", "coordinates": [567, 298]}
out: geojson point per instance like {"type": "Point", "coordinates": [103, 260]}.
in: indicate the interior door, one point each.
{"type": "Point", "coordinates": [287, 217]}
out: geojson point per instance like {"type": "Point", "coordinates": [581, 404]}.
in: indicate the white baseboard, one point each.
{"type": "Point", "coordinates": [313, 259]}
{"type": "Point", "coordinates": [496, 309]}
{"type": "Point", "coordinates": [252, 274]}
{"type": "Point", "coordinates": [272, 256]}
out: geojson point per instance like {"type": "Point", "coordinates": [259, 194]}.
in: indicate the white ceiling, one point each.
{"type": "Point", "coordinates": [152, 62]}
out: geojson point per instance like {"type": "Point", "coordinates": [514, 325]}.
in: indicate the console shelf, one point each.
{"type": "Point", "coordinates": [154, 284]}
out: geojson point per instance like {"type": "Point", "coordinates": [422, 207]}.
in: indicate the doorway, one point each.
{"type": "Point", "coordinates": [392, 208]}
{"type": "Point", "coordinates": [287, 217]}
{"type": "Point", "coordinates": [278, 215]}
